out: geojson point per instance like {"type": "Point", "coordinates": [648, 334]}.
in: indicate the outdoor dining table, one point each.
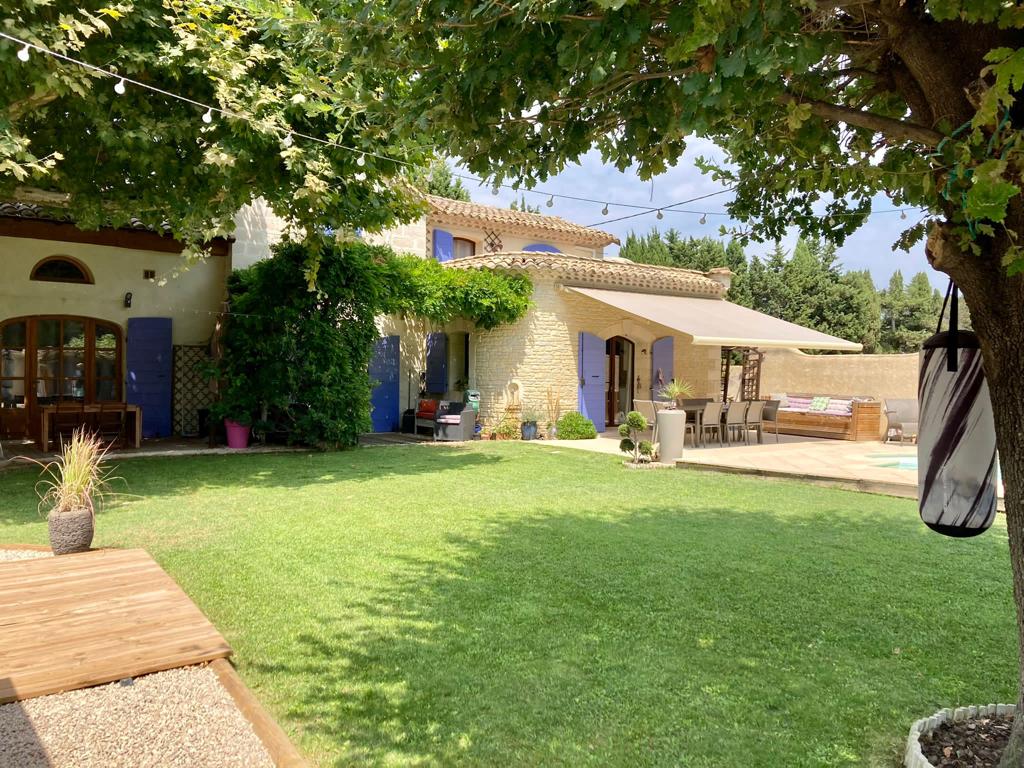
{"type": "Point", "coordinates": [133, 414]}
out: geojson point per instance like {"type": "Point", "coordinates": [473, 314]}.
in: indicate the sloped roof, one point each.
{"type": "Point", "coordinates": [581, 270]}
{"type": "Point", "coordinates": [39, 213]}
{"type": "Point", "coordinates": [448, 211]}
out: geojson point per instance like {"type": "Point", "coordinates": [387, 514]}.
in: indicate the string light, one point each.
{"type": "Point", "coordinates": [703, 218]}
{"type": "Point", "coordinates": [207, 118]}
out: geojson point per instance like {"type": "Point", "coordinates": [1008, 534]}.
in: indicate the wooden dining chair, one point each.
{"type": "Point", "coordinates": [110, 424]}
{"type": "Point", "coordinates": [65, 419]}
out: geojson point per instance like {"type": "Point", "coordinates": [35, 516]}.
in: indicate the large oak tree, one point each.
{"type": "Point", "coordinates": [819, 106]}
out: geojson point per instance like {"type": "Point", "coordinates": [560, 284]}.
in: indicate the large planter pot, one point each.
{"type": "Point", "coordinates": [529, 430]}
{"type": "Point", "coordinates": [238, 434]}
{"type": "Point", "coordinates": [71, 531]}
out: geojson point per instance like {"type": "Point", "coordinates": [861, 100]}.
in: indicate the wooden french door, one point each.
{"type": "Point", "coordinates": [53, 359]}
{"type": "Point", "coordinates": [619, 379]}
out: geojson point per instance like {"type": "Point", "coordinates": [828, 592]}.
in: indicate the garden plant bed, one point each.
{"type": "Point", "coordinates": [969, 744]}
{"type": "Point", "coordinates": [967, 737]}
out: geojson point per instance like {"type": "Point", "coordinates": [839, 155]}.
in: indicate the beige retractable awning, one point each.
{"type": "Point", "coordinates": [718, 323]}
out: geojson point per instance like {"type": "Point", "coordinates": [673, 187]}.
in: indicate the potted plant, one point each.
{"type": "Point", "coordinates": [630, 431]}
{"type": "Point", "coordinates": [675, 391]}
{"type": "Point", "coordinates": [528, 426]}
{"type": "Point", "coordinates": [76, 483]}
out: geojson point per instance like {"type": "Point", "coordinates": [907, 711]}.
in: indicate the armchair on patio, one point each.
{"type": "Point", "coordinates": [426, 413]}
{"type": "Point", "coordinates": [903, 418]}
{"type": "Point", "coordinates": [454, 421]}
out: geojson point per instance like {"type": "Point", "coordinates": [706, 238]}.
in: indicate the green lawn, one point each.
{"type": "Point", "coordinates": [506, 604]}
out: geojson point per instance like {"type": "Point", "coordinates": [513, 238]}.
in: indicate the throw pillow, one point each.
{"type": "Point", "coordinates": [818, 404]}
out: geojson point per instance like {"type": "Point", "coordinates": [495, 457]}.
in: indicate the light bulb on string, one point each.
{"type": "Point", "coordinates": [903, 214]}
{"type": "Point", "coordinates": [23, 54]}
{"type": "Point", "coordinates": [361, 161]}
{"type": "Point", "coordinates": [660, 214]}
{"type": "Point", "coordinates": [288, 140]}
{"type": "Point", "coordinates": [119, 87]}
{"type": "Point", "coordinates": [703, 218]}
{"type": "Point", "coordinates": [495, 190]}
{"type": "Point", "coordinates": [551, 202]}
{"type": "Point", "coordinates": [208, 116]}
{"type": "Point", "coordinates": [604, 211]}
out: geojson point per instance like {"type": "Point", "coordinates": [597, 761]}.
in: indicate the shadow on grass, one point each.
{"type": "Point", "coordinates": [169, 476]}
{"type": "Point", "coordinates": [700, 638]}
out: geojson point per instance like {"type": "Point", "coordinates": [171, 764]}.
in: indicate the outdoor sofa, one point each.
{"type": "Point", "coordinates": [447, 419]}
{"type": "Point", "coordinates": [841, 417]}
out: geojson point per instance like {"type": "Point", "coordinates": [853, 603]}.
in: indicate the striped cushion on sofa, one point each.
{"type": "Point", "coordinates": [839, 406]}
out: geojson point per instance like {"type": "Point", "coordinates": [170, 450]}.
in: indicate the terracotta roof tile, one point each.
{"type": "Point", "coordinates": [598, 273]}
{"type": "Point", "coordinates": [448, 211]}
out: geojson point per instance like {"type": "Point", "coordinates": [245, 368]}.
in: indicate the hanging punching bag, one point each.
{"type": "Point", "coordinates": [956, 448]}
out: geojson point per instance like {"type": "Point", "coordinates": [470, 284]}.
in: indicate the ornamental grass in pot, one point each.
{"type": "Point", "coordinates": [75, 484]}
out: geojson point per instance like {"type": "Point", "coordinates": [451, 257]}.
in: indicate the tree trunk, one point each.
{"type": "Point", "coordinates": [996, 304]}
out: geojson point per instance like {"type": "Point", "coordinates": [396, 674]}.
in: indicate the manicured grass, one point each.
{"type": "Point", "coordinates": [506, 604]}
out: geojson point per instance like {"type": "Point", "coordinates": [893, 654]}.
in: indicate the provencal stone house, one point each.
{"type": "Point", "coordinates": [601, 331]}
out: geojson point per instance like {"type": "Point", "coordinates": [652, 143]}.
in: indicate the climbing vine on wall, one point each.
{"type": "Point", "coordinates": [295, 360]}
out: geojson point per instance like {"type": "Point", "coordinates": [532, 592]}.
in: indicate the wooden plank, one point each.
{"type": "Point", "coordinates": [282, 751]}
{"type": "Point", "coordinates": [79, 620]}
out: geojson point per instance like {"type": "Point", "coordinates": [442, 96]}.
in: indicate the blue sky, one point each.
{"type": "Point", "coordinates": [869, 248]}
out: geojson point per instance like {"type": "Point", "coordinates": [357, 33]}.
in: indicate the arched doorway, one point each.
{"type": "Point", "coordinates": [51, 359]}
{"type": "Point", "coordinates": [620, 379]}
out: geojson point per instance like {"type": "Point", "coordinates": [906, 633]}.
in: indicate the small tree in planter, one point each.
{"type": "Point", "coordinates": [77, 482]}
{"type": "Point", "coordinates": [675, 391]}
{"type": "Point", "coordinates": [631, 430]}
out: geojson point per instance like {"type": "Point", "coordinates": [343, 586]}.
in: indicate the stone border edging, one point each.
{"type": "Point", "coordinates": [913, 757]}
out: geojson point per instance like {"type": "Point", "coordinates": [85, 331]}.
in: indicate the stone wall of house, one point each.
{"type": "Point", "coordinates": [880, 376]}
{"type": "Point", "coordinates": [509, 243]}
{"type": "Point", "coordinates": [515, 365]}
{"type": "Point", "coordinates": [190, 296]}
{"type": "Point", "coordinates": [408, 238]}
{"type": "Point", "coordinates": [257, 228]}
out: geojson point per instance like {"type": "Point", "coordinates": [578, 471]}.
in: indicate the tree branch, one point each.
{"type": "Point", "coordinates": [888, 126]}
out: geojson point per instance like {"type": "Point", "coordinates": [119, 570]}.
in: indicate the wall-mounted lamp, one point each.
{"type": "Point", "coordinates": [128, 300]}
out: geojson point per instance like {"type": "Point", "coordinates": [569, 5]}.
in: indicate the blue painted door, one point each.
{"type": "Point", "coordinates": [661, 365]}
{"type": "Point", "coordinates": [384, 377]}
{"type": "Point", "coordinates": [148, 363]}
{"type": "Point", "coordinates": [437, 363]}
{"type": "Point", "coordinates": [592, 367]}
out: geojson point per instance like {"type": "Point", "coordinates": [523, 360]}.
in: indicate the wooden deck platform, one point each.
{"type": "Point", "coordinates": [80, 620]}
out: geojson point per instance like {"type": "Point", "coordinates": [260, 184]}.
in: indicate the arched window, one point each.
{"type": "Point", "coordinates": [61, 269]}
{"type": "Point", "coordinates": [463, 248]}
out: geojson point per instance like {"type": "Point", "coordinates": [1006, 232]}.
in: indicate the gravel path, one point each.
{"type": "Point", "coordinates": [179, 718]}
{"type": "Point", "coordinates": [22, 554]}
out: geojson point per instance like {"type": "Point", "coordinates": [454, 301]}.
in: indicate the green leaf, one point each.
{"type": "Point", "coordinates": [988, 198]}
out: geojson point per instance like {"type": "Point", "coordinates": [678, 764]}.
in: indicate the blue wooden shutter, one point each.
{"type": "Point", "coordinates": [542, 248]}
{"type": "Point", "coordinates": [444, 245]}
{"type": "Point", "coordinates": [593, 364]}
{"type": "Point", "coordinates": [661, 365]}
{"type": "Point", "coordinates": [437, 363]}
{"type": "Point", "coordinates": [148, 361]}
{"type": "Point", "coordinates": [384, 379]}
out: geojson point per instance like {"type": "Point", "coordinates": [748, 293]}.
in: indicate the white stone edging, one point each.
{"type": "Point", "coordinates": [913, 757]}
